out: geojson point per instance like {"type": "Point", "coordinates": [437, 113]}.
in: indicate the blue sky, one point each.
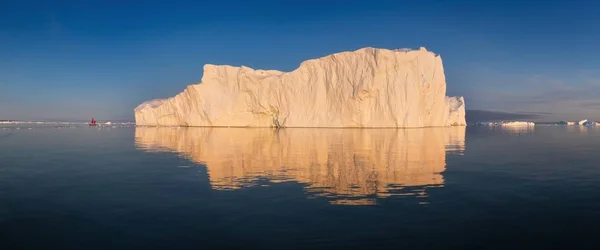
{"type": "Point", "coordinates": [74, 59]}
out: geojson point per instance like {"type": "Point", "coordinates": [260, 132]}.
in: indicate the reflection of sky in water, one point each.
{"type": "Point", "coordinates": [347, 166]}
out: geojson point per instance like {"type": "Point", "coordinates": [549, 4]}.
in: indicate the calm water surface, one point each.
{"type": "Point", "coordinates": [75, 187]}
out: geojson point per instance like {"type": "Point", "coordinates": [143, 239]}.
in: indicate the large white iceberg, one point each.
{"type": "Point", "coordinates": [364, 88]}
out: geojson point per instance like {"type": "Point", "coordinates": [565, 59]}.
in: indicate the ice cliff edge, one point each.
{"type": "Point", "coordinates": [368, 87]}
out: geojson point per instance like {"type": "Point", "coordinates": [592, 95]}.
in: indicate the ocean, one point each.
{"type": "Point", "coordinates": [70, 186]}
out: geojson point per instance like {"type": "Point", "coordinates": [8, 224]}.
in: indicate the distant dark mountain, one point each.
{"type": "Point", "coordinates": [474, 116]}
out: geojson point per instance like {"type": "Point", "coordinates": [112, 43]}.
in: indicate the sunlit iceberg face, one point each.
{"type": "Point", "coordinates": [365, 88]}
{"type": "Point", "coordinates": [347, 166]}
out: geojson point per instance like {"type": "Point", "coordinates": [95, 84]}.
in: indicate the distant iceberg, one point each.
{"type": "Point", "coordinates": [507, 124]}
{"type": "Point", "coordinates": [568, 123]}
{"type": "Point", "coordinates": [518, 124]}
{"type": "Point", "coordinates": [583, 122]}
{"type": "Point", "coordinates": [591, 123]}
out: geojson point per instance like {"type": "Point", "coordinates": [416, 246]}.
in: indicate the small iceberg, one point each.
{"type": "Point", "coordinates": [568, 123]}
{"type": "Point", "coordinates": [484, 124]}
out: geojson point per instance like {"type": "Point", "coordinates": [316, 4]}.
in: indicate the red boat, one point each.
{"type": "Point", "coordinates": [93, 122]}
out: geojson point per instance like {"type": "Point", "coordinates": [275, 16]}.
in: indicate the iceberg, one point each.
{"type": "Point", "coordinates": [590, 123]}
{"type": "Point", "coordinates": [518, 124]}
{"type": "Point", "coordinates": [368, 87]}
{"type": "Point", "coordinates": [507, 124]}
{"type": "Point", "coordinates": [567, 123]}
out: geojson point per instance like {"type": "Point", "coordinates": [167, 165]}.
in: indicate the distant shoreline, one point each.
{"type": "Point", "coordinates": [62, 121]}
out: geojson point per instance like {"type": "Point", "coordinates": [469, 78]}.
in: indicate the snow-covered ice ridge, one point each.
{"type": "Point", "coordinates": [368, 87]}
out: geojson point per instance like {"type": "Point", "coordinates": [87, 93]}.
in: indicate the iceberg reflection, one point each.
{"type": "Point", "coordinates": [518, 130]}
{"type": "Point", "coordinates": [348, 166]}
